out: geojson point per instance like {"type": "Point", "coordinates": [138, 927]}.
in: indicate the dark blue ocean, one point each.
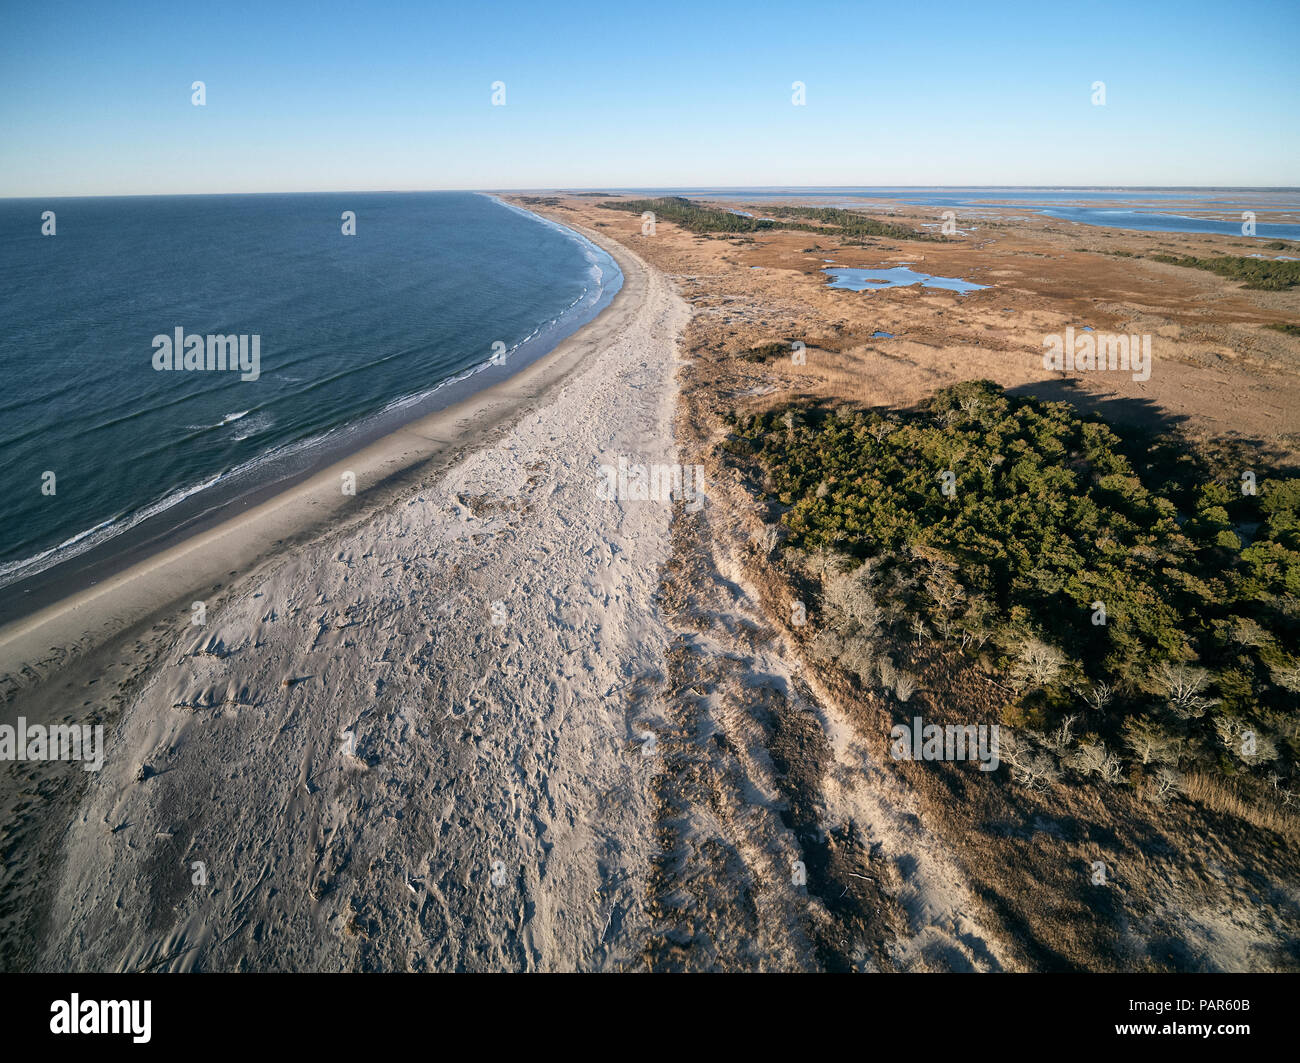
{"type": "Point", "coordinates": [354, 330]}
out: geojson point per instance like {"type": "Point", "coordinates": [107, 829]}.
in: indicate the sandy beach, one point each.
{"type": "Point", "coordinates": [404, 738]}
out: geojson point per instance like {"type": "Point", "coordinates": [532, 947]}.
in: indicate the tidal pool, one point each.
{"type": "Point", "coordinates": [858, 280]}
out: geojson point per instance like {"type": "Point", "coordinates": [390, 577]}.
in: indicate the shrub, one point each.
{"type": "Point", "coordinates": [1054, 514]}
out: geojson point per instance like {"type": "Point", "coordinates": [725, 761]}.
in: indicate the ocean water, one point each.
{"type": "Point", "coordinates": [357, 333]}
{"type": "Point", "coordinates": [1140, 209]}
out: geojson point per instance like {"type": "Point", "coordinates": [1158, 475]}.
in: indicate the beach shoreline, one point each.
{"type": "Point", "coordinates": [147, 524]}
{"type": "Point", "coordinates": [80, 606]}
{"type": "Point", "coordinates": [446, 682]}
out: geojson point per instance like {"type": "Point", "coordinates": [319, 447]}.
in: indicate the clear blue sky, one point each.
{"type": "Point", "coordinates": [95, 97]}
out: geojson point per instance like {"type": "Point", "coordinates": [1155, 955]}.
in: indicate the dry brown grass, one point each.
{"type": "Point", "coordinates": [1223, 796]}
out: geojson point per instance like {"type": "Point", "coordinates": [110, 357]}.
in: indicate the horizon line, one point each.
{"type": "Point", "coordinates": [620, 189]}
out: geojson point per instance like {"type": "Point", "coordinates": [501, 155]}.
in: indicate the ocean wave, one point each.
{"type": "Point", "coordinates": [255, 426]}
{"type": "Point", "coordinates": [102, 532]}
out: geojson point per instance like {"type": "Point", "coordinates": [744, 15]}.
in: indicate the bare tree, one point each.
{"type": "Point", "coordinates": [1097, 697]}
{"type": "Point", "coordinates": [1167, 783]}
{"type": "Point", "coordinates": [1060, 740]}
{"type": "Point", "coordinates": [828, 644]}
{"type": "Point", "coordinates": [1183, 686]}
{"type": "Point", "coordinates": [852, 596]}
{"type": "Point", "coordinates": [1037, 664]}
{"type": "Point", "coordinates": [823, 563]}
{"type": "Point", "coordinates": [1029, 768]}
{"type": "Point", "coordinates": [858, 657]}
{"type": "Point", "coordinates": [1093, 758]}
{"type": "Point", "coordinates": [1244, 741]}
